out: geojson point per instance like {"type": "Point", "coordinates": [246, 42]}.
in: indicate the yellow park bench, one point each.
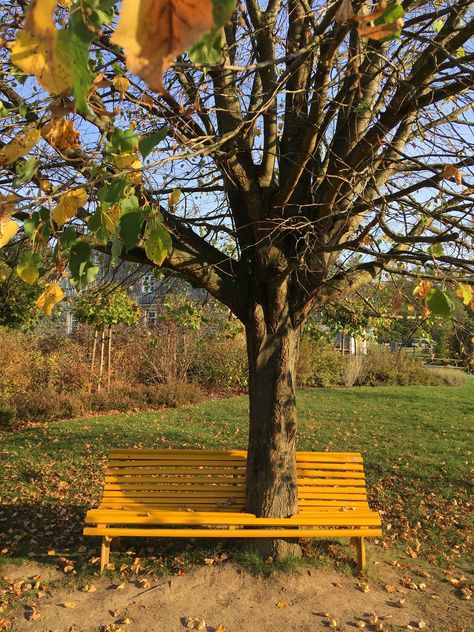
{"type": "Point", "coordinates": [201, 493]}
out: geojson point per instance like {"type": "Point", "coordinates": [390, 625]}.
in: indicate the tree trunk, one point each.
{"type": "Point", "coordinates": [272, 489]}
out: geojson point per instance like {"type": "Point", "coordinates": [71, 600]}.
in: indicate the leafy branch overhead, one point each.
{"type": "Point", "coordinates": [302, 141]}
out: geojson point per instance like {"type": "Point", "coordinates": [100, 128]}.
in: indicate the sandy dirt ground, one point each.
{"type": "Point", "coordinates": [225, 598]}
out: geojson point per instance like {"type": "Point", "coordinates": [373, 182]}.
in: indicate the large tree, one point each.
{"type": "Point", "coordinates": [293, 166]}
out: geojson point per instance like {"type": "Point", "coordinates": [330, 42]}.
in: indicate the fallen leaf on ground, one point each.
{"type": "Point", "coordinates": [281, 604]}
{"type": "Point", "coordinates": [69, 604]}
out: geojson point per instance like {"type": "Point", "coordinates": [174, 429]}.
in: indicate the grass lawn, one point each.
{"type": "Point", "coordinates": [416, 441]}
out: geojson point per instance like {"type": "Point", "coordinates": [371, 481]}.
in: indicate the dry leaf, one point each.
{"type": "Point", "coordinates": [345, 12]}
{"type": "Point", "coordinates": [61, 134]}
{"type": "Point", "coordinates": [69, 604]}
{"type": "Point", "coordinates": [363, 587]}
{"type": "Point", "coordinates": [20, 145]}
{"type": "Point", "coordinates": [450, 171]}
{"type": "Point", "coordinates": [89, 588]}
{"type": "Point", "coordinates": [421, 624]}
{"type": "Point", "coordinates": [120, 587]}
{"type": "Point", "coordinates": [153, 32]}
{"type": "Point", "coordinates": [220, 628]}
{"type": "Point", "coordinates": [373, 618]}
{"type": "Point", "coordinates": [361, 625]}
{"type": "Point", "coordinates": [390, 588]}
{"type": "Point", "coordinates": [281, 604]}
{"type": "Point", "coordinates": [193, 623]}
{"type": "Point", "coordinates": [332, 623]}
{"type": "Point", "coordinates": [68, 205]}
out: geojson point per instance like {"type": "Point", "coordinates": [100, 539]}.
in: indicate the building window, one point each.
{"type": "Point", "coordinates": [149, 284]}
{"type": "Point", "coordinates": [151, 318]}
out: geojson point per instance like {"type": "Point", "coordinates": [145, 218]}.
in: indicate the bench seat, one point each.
{"type": "Point", "coordinates": [201, 493]}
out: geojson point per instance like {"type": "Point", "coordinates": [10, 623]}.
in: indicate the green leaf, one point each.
{"type": "Point", "coordinates": [111, 194]}
{"type": "Point", "coordinates": [157, 241]}
{"type": "Point", "coordinates": [436, 250]}
{"type": "Point", "coordinates": [222, 10]}
{"type": "Point", "coordinates": [68, 237]}
{"type": "Point", "coordinates": [148, 143]}
{"type": "Point", "coordinates": [3, 110]}
{"type": "Point", "coordinates": [31, 224]}
{"type": "Point", "coordinates": [28, 267]}
{"type": "Point", "coordinates": [123, 141]}
{"type": "Point", "coordinates": [97, 225]}
{"type": "Point", "coordinates": [392, 13]}
{"type": "Point", "coordinates": [208, 49]}
{"type": "Point", "coordinates": [83, 271]}
{"type": "Point", "coordinates": [439, 303]}
{"type": "Point", "coordinates": [130, 227]}
{"type": "Point", "coordinates": [26, 170]}
{"type": "Point", "coordinates": [78, 41]}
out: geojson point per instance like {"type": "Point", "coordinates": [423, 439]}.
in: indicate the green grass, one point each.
{"type": "Point", "coordinates": [416, 442]}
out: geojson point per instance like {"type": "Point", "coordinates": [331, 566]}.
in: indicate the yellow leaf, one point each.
{"type": "Point", "coordinates": [8, 230]}
{"type": "Point", "coordinates": [68, 205]}
{"type": "Point", "coordinates": [70, 604]}
{"type": "Point", "coordinates": [40, 21]}
{"type": "Point", "coordinates": [281, 604]}
{"type": "Point", "coordinates": [153, 32]}
{"type": "Point", "coordinates": [361, 625]}
{"type": "Point", "coordinates": [20, 145]}
{"type": "Point", "coordinates": [111, 218]}
{"type": "Point", "coordinates": [120, 587]}
{"type": "Point", "coordinates": [373, 618]}
{"type": "Point", "coordinates": [332, 623]}
{"type": "Point", "coordinates": [122, 84]}
{"type": "Point", "coordinates": [174, 197]}
{"type": "Point", "coordinates": [51, 553]}
{"type": "Point", "coordinates": [7, 208]}
{"type": "Point", "coordinates": [61, 133]}
{"type": "Point", "coordinates": [32, 55]}
{"type": "Point", "coordinates": [89, 588]}
{"type": "Point", "coordinates": [51, 296]}
{"type": "Point", "coordinates": [129, 161]}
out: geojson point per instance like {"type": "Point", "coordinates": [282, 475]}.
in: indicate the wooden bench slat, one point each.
{"type": "Point", "coordinates": [233, 533]}
{"type": "Point", "coordinates": [110, 516]}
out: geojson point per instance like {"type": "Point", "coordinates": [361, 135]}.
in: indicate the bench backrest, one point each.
{"type": "Point", "coordinates": [215, 479]}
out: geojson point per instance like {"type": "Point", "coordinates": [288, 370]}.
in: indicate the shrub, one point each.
{"type": "Point", "coordinates": [175, 394]}
{"type": "Point", "coordinates": [7, 417]}
{"type": "Point", "coordinates": [221, 361]}
{"type": "Point", "coordinates": [38, 405]}
{"type": "Point", "coordinates": [319, 364]}
{"type": "Point", "coordinates": [447, 377]}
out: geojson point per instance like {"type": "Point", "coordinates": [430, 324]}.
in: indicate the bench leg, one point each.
{"type": "Point", "coordinates": [105, 552]}
{"type": "Point", "coordinates": [361, 559]}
